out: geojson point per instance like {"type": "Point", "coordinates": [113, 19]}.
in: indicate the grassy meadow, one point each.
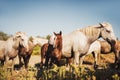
{"type": "Point", "coordinates": [105, 71]}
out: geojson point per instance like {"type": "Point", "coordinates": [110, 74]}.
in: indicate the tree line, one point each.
{"type": "Point", "coordinates": [4, 36]}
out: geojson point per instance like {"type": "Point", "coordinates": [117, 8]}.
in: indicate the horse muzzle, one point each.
{"type": "Point", "coordinates": [112, 42]}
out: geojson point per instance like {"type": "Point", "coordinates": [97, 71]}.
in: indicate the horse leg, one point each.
{"type": "Point", "coordinates": [46, 61]}
{"type": "Point", "coordinates": [76, 58]}
{"type": "Point", "coordinates": [118, 59]}
{"type": "Point", "coordinates": [81, 59]}
{"type": "Point", "coordinates": [13, 62]}
{"type": "Point", "coordinates": [95, 59]}
{"type": "Point", "coordinates": [58, 59]}
{"type": "Point", "coordinates": [116, 56]}
{"type": "Point", "coordinates": [6, 61]}
{"type": "Point", "coordinates": [20, 62]}
{"type": "Point", "coordinates": [41, 62]}
{"type": "Point", "coordinates": [69, 61]}
{"type": "Point", "coordinates": [52, 61]}
{"type": "Point", "coordinates": [25, 61]}
{"type": "Point", "coordinates": [28, 58]}
{"type": "Point", "coordinates": [42, 58]}
{"type": "Point", "coordinates": [3, 61]}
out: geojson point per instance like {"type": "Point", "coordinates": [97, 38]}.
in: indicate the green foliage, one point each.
{"type": "Point", "coordinates": [116, 77]}
{"type": "Point", "coordinates": [62, 73]}
{"type": "Point", "coordinates": [36, 50]}
{"type": "Point", "coordinates": [74, 72]}
{"type": "Point", "coordinates": [48, 37]}
{"type": "Point", "coordinates": [3, 36]}
{"type": "Point", "coordinates": [30, 38]}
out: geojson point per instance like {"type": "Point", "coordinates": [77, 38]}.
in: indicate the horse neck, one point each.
{"type": "Point", "coordinates": [13, 43]}
{"type": "Point", "coordinates": [30, 45]}
{"type": "Point", "coordinates": [94, 35]}
{"type": "Point", "coordinates": [60, 45]}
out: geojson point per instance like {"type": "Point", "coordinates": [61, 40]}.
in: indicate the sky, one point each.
{"type": "Point", "coordinates": [43, 17]}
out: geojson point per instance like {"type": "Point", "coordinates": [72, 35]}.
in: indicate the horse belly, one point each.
{"type": "Point", "coordinates": [12, 54]}
{"type": "Point", "coordinates": [66, 52]}
{"type": "Point", "coordinates": [80, 43]}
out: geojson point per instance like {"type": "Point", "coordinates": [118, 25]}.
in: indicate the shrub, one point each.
{"type": "Point", "coordinates": [36, 50]}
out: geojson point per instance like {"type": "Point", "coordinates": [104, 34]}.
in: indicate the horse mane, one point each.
{"type": "Point", "coordinates": [90, 31]}
{"type": "Point", "coordinates": [60, 45]}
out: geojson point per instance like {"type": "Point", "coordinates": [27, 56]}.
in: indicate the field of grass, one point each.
{"type": "Point", "coordinates": [105, 70]}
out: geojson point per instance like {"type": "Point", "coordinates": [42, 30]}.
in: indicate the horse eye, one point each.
{"type": "Point", "coordinates": [18, 36]}
{"type": "Point", "coordinates": [108, 31]}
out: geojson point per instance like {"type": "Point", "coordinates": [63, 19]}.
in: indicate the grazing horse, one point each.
{"type": "Point", "coordinates": [9, 48]}
{"type": "Point", "coordinates": [25, 54]}
{"type": "Point", "coordinates": [108, 48]}
{"type": "Point", "coordinates": [48, 52]}
{"type": "Point", "coordinates": [79, 41]}
{"type": "Point", "coordinates": [105, 47]}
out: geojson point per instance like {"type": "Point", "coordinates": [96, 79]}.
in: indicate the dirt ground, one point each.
{"type": "Point", "coordinates": [33, 60]}
{"type": "Point", "coordinates": [104, 59]}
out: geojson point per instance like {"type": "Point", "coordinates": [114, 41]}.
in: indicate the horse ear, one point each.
{"type": "Point", "coordinates": [60, 32]}
{"type": "Point", "coordinates": [101, 25]}
{"type": "Point", "coordinates": [54, 33]}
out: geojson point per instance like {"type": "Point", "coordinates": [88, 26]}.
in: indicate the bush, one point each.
{"type": "Point", "coordinates": [36, 50]}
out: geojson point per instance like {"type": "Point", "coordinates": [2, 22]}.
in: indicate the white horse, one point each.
{"type": "Point", "coordinates": [78, 42]}
{"type": "Point", "coordinates": [9, 48]}
{"type": "Point", "coordinates": [40, 41]}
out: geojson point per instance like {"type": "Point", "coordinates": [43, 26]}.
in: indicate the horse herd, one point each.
{"type": "Point", "coordinates": [73, 46]}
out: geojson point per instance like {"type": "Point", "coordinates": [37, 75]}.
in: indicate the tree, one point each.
{"type": "Point", "coordinates": [48, 37]}
{"type": "Point", "coordinates": [3, 36]}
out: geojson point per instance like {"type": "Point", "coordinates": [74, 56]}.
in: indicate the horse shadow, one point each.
{"type": "Point", "coordinates": [39, 72]}
{"type": "Point", "coordinates": [18, 66]}
{"type": "Point", "coordinates": [109, 73]}
{"type": "Point", "coordinates": [87, 63]}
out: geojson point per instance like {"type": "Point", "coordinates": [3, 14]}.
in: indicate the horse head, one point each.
{"type": "Point", "coordinates": [107, 33]}
{"type": "Point", "coordinates": [56, 40]}
{"type": "Point", "coordinates": [23, 39]}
